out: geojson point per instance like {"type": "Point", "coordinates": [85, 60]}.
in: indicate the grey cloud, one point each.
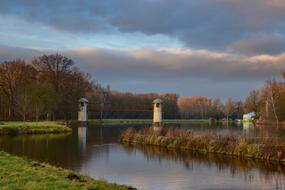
{"type": "Point", "coordinates": [185, 71]}
{"type": "Point", "coordinates": [8, 53]}
{"type": "Point", "coordinates": [209, 24]}
{"type": "Point", "coordinates": [274, 44]}
{"type": "Point", "coordinates": [164, 65]}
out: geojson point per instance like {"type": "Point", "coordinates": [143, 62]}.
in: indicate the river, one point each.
{"type": "Point", "coordinates": [95, 151]}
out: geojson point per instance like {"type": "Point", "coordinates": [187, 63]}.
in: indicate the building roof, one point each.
{"type": "Point", "coordinates": [83, 100]}
{"type": "Point", "coordinates": [157, 101]}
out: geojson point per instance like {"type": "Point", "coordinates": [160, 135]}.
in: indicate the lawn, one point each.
{"type": "Point", "coordinates": [23, 173]}
{"type": "Point", "coordinates": [43, 127]}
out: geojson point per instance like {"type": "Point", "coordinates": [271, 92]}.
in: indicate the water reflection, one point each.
{"type": "Point", "coordinates": [95, 151]}
{"type": "Point", "coordinates": [248, 129]}
{"type": "Point", "coordinates": [81, 132]}
{"type": "Point", "coordinates": [249, 173]}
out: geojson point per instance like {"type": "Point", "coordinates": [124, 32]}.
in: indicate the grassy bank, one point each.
{"type": "Point", "coordinates": [145, 121]}
{"type": "Point", "coordinates": [185, 140]}
{"type": "Point", "coordinates": [44, 127]}
{"type": "Point", "coordinates": [22, 173]}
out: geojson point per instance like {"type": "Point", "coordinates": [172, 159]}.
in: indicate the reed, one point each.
{"type": "Point", "coordinates": [206, 142]}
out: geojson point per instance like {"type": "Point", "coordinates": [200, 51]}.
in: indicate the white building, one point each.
{"type": "Point", "coordinates": [82, 113]}
{"type": "Point", "coordinates": [249, 117]}
{"type": "Point", "coordinates": [157, 111]}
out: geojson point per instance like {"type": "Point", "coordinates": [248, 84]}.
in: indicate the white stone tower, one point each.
{"type": "Point", "coordinates": [157, 111]}
{"type": "Point", "coordinates": [82, 113]}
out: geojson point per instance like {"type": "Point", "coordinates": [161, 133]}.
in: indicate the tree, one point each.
{"type": "Point", "coordinates": [55, 70]}
{"type": "Point", "coordinates": [253, 103]}
{"type": "Point", "coordinates": [14, 77]}
{"type": "Point", "coordinates": [217, 108]}
{"type": "Point", "coordinates": [273, 93]}
{"type": "Point", "coordinates": [229, 106]}
{"type": "Point", "coordinates": [24, 98]}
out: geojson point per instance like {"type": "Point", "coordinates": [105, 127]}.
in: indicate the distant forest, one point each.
{"type": "Point", "coordinates": [49, 87]}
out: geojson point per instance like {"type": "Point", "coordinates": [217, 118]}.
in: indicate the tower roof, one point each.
{"type": "Point", "coordinates": [83, 100]}
{"type": "Point", "coordinates": [157, 101]}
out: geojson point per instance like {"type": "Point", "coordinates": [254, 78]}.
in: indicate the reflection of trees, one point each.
{"type": "Point", "coordinates": [269, 171]}
{"type": "Point", "coordinates": [65, 150]}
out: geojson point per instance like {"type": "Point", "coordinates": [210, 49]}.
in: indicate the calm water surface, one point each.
{"type": "Point", "coordinates": [95, 151]}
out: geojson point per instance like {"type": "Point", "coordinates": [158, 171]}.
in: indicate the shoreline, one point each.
{"type": "Point", "coordinates": [23, 173]}
{"type": "Point", "coordinates": [269, 123]}
{"type": "Point", "coordinates": [42, 127]}
{"type": "Point", "coordinates": [186, 140]}
{"type": "Point", "coordinates": [142, 121]}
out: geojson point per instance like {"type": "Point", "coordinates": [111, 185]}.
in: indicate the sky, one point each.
{"type": "Point", "coordinates": [208, 47]}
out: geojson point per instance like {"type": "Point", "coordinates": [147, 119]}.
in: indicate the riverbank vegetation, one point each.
{"type": "Point", "coordinates": [22, 173]}
{"type": "Point", "coordinates": [14, 127]}
{"type": "Point", "coordinates": [186, 140]}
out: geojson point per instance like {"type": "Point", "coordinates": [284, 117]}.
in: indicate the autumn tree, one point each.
{"type": "Point", "coordinates": [217, 108]}
{"type": "Point", "coordinates": [272, 98]}
{"type": "Point", "coordinates": [253, 103]}
{"type": "Point", "coordinates": [197, 107]}
{"type": "Point", "coordinates": [66, 82]}
{"type": "Point", "coordinates": [229, 107]}
{"type": "Point", "coordinates": [15, 76]}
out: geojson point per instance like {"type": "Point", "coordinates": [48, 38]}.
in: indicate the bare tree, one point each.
{"type": "Point", "coordinates": [229, 105]}
{"type": "Point", "coordinates": [54, 69]}
{"type": "Point", "coordinates": [14, 77]}
{"type": "Point", "coordinates": [274, 95]}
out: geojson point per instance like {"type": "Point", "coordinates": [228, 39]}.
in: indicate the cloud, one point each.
{"type": "Point", "coordinates": [206, 24]}
{"type": "Point", "coordinates": [184, 71]}
{"type": "Point", "coordinates": [11, 53]}
{"type": "Point", "coordinates": [272, 44]}
{"type": "Point", "coordinates": [169, 64]}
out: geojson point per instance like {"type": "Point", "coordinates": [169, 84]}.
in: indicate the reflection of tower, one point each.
{"type": "Point", "coordinates": [81, 132]}
{"type": "Point", "coordinates": [82, 113]}
{"type": "Point", "coordinates": [247, 127]}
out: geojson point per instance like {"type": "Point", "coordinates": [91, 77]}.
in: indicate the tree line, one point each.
{"type": "Point", "coordinates": [200, 107]}
{"type": "Point", "coordinates": [268, 103]}
{"type": "Point", "coordinates": [49, 87]}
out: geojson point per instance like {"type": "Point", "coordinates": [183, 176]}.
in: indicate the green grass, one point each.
{"type": "Point", "coordinates": [22, 173]}
{"type": "Point", "coordinates": [43, 127]}
{"type": "Point", "coordinates": [272, 149]}
{"type": "Point", "coordinates": [145, 121]}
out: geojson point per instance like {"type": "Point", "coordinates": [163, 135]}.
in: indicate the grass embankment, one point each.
{"type": "Point", "coordinates": [22, 173]}
{"type": "Point", "coordinates": [44, 127]}
{"type": "Point", "coordinates": [185, 140]}
{"type": "Point", "coordinates": [145, 121]}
